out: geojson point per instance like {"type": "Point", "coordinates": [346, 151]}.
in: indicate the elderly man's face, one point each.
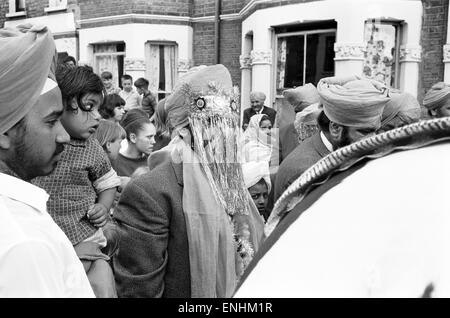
{"type": "Point", "coordinates": [256, 102]}
{"type": "Point", "coordinates": [39, 141]}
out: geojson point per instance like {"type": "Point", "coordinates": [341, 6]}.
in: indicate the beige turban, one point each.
{"type": "Point", "coordinates": [436, 97]}
{"type": "Point", "coordinates": [198, 78]}
{"type": "Point", "coordinates": [403, 108]}
{"type": "Point", "coordinates": [302, 96]}
{"type": "Point", "coordinates": [357, 103]}
{"type": "Point", "coordinates": [26, 56]}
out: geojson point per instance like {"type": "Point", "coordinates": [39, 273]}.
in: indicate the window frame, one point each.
{"type": "Point", "coordinates": [148, 44]}
{"type": "Point", "coordinates": [294, 33]}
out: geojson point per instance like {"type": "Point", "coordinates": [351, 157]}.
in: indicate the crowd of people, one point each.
{"type": "Point", "coordinates": [107, 192]}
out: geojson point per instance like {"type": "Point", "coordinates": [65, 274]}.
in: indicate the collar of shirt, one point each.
{"type": "Point", "coordinates": [22, 191]}
{"type": "Point", "coordinates": [260, 111]}
{"type": "Point", "coordinates": [326, 142]}
{"type": "Point", "coordinates": [78, 142]}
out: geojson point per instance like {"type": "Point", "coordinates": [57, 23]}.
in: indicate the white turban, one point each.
{"type": "Point", "coordinates": [254, 171]}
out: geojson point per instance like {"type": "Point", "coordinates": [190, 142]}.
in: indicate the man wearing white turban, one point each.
{"type": "Point", "coordinates": [352, 110]}
{"type": "Point", "coordinates": [36, 258]}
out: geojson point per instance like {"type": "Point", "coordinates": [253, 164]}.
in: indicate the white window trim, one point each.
{"type": "Point", "coordinates": [12, 10]}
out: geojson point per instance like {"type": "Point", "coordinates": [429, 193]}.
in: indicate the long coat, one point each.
{"type": "Point", "coordinates": [298, 161]}
{"type": "Point", "coordinates": [153, 257]}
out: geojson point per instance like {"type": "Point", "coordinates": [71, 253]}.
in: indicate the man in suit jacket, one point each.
{"type": "Point", "coordinates": [153, 225]}
{"type": "Point", "coordinates": [257, 107]}
{"type": "Point", "coordinates": [352, 110]}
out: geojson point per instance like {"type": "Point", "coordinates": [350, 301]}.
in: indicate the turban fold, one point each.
{"type": "Point", "coordinates": [357, 103]}
{"type": "Point", "coordinates": [302, 96]}
{"type": "Point", "coordinates": [254, 171]}
{"type": "Point", "coordinates": [306, 121]}
{"type": "Point", "coordinates": [436, 97]}
{"type": "Point", "coordinates": [198, 79]}
{"type": "Point", "coordinates": [26, 56]}
{"type": "Point", "coordinates": [402, 109]}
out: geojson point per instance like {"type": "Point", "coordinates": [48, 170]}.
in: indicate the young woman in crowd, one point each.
{"type": "Point", "coordinates": [140, 140]}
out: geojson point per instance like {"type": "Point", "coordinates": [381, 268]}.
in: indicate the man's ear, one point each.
{"type": "Point", "coordinates": [336, 131]}
{"type": "Point", "coordinates": [108, 146]}
{"type": "Point", "coordinates": [432, 113]}
{"type": "Point", "coordinates": [5, 141]}
{"type": "Point", "coordinates": [133, 138]}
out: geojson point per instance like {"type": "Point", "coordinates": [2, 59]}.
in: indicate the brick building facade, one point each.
{"type": "Point", "coordinates": [256, 38]}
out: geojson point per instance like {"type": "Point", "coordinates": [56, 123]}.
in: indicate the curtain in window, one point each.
{"type": "Point", "coordinates": [106, 62]}
{"type": "Point", "coordinates": [57, 3]}
{"type": "Point", "coordinates": [169, 66]}
{"type": "Point", "coordinates": [157, 56]}
{"type": "Point", "coordinates": [379, 61]}
{"type": "Point", "coordinates": [152, 71]}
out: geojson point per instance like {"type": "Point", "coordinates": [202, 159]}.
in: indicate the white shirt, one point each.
{"type": "Point", "coordinates": [36, 257]}
{"type": "Point", "coordinates": [132, 99]}
{"type": "Point", "coordinates": [326, 142]}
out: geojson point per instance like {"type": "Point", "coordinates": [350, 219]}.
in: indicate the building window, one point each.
{"type": "Point", "coordinates": [57, 3]}
{"type": "Point", "coordinates": [110, 57]}
{"type": "Point", "coordinates": [304, 57]}
{"type": "Point", "coordinates": [20, 5]}
{"type": "Point", "coordinates": [381, 56]}
{"type": "Point", "coordinates": [161, 71]}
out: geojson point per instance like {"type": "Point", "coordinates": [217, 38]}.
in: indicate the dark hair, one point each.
{"type": "Point", "coordinates": [106, 75]}
{"type": "Point", "coordinates": [111, 101]}
{"type": "Point", "coordinates": [141, 83]}
{"type": "Point", "coordinates": [127, 77]}
{"type": "Point", "coordinates": [324, 122]}
{"type": "Point", "coordinates": [75, 82]}
{"type": "Point", "coordinates": [69, 59]}
{"type": "Point", "coordinates": [263, 118]}
{"type": "Point", "coordinates": [133, 121]}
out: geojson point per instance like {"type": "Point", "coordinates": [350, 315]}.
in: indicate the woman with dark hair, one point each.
{"type": "Point", "coordinates": [140, 139]}
{"type": "Point", "coordinates": [113, 108]}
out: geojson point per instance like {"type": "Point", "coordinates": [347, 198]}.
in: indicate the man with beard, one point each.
{"type": "Point", "coordinates": [352, 110]}
{"type": "Point", "coordinates": [36, 258]}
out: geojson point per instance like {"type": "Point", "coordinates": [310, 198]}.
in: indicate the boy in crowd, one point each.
{"type": "Point", "coordinates": [148, 100]}
{"type": "Point", "coordinates": [107, 79]}
{"type": "Point", "coordinates": [129, 95]}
